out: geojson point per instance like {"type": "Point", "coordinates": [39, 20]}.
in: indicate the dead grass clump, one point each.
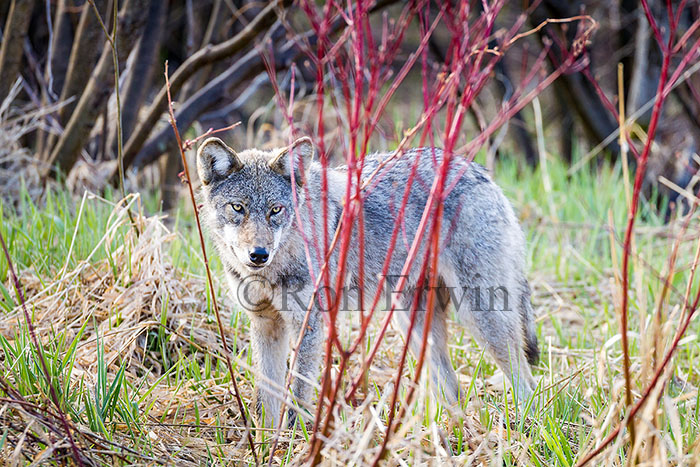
{"type": "Point", "coordinates": [131, 312]}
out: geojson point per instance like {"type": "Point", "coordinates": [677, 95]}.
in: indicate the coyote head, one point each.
{"type": "Point", "coordinates": [249, 196]}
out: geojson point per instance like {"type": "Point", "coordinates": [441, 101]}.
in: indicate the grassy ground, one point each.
{"type": "Point", "coordinates": [128, 335]}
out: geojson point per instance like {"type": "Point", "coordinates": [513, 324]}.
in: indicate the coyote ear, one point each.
{"type": "Point", "coordinates": [216, 160]}
{"type": "Point", "coordinates": [301, 150]}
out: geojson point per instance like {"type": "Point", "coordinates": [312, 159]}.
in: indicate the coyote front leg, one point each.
{"type": "Point", "coordinates": [270, 345]}
{"type": "Point", "coordinates": [305, 371]}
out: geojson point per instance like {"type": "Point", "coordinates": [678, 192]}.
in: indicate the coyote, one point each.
{"type": "Point", "coordinates": [249, 201]}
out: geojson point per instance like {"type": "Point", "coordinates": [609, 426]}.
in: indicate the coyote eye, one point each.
{"type": "Point", "coordinates": [237, 207]}
{"type": "Point", "coordinates": [275, 210]}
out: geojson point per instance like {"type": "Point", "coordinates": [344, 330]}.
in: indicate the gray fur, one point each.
{"type": "Point", "coordinates": [481, 260]}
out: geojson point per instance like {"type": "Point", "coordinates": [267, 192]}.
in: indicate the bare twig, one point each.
{"type": "Point", "coordinates": [210, 281]}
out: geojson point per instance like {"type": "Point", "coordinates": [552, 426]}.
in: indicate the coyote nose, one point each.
{"type": "Point", "coordinates": [258, 255]}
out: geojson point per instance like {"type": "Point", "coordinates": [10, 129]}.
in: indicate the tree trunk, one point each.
{"type": "Point", "coordinates": [89, 40]}
{"type": "Point", "coordinates": [630, 21]}
{"type": "Point", "coordinates": [57, 63]}
{"type": "Point", "coordinates": [84, 54]}
{"type": "Point", "coordinates": [244, 69]}
{"type": "Point", "coordinates": [131, 22]}
{"type": "Point", "coordinates": [579, 94]}
{"type": "Point", "coordinates": [13, 37]}
{"type": "Point", "coordinates": [60, 49]}
{"type": "Point", "coordinates": [518, 126]}
{"type": "Point", "coordinates": [170, 167]}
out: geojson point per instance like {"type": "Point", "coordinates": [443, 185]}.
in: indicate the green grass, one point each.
{"type": "Point", "coordinates": [572, 273]}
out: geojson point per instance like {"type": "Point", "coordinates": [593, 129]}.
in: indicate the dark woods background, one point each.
{"type": "Point", "coordinates": [217, 52]}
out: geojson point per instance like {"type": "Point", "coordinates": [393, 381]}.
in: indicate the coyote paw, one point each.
{"type": "Point", "coordinates": [293, 416]}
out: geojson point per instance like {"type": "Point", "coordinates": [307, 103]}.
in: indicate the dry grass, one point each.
{"type": "Point", "coordinates": [125, 300]}
{"type": "Point", "coordinates": [137, 318]}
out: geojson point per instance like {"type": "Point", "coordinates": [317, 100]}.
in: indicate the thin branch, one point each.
{"type": "Point", "coordinates": [115, 60]}
{"type": "Point", "coordinates": [210, 281]}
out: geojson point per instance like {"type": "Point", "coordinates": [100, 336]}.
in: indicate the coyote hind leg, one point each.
{"type": "Point", "coordinates": [442, 373]}
{"type": "Point", "coordinates": [491, 311]}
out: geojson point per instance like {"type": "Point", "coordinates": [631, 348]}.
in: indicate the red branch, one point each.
{"type": "Point", "coordinates": [663, 89]}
